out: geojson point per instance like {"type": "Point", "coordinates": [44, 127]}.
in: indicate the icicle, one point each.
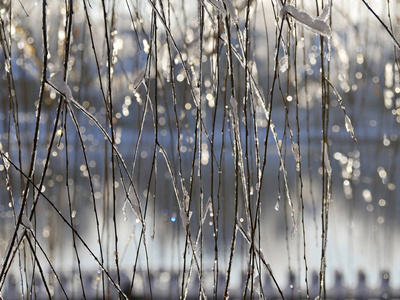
{"type": "Point", "coordinates": [7, 65]}
{"type": "Point", "coordinates": [349, 126]}
{"type": "Point", "coordinates": [277, 205]}
{"type": "Point", "coordinates": [284, 64]}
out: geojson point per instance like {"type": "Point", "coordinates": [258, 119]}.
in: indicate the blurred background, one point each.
{"type": "Point", "coordinates": [205, 109]}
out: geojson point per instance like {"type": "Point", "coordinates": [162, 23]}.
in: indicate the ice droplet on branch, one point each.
{"type": "Point", "coordinates": [349, 126]}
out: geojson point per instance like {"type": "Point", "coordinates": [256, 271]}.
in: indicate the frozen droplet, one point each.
{"type": "Point", "coordinates": [7, 65]}
{"type": "Point", "coordinates": [349, 126]}
{"type": "Point", "coordinates": [277, 205]}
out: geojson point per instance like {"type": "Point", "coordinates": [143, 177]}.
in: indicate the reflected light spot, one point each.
{"type": "Point", "coordinates": [180, 77]}
{"type": "Point", "coordinates": [335, 128]}
{"type": "Point", "coordinates": [367, 195]}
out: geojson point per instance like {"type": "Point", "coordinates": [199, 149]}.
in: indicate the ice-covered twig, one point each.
{"type": "Point", "coordinates": [26, 222]}
{"type": "Point", "coordinates": [259, 253]}
{"type": "Point", "coordinates": [347, 120]}
{"type": "Point", "coordinates": [317, 25]}
{"type": "Point", "coordinates": [232, 10]}
{"type": "Point", "coordinates": [239, 151]}
{"type": "Point", "coordinates": [139, 79]}
{"type": "Point", "coordinates": [58, 83]}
